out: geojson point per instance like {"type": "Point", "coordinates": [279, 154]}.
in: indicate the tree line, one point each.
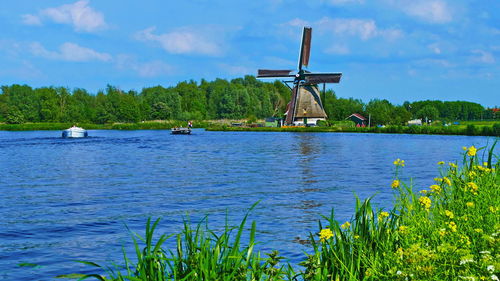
{"type": "Point", "coordinates": [219, 99]}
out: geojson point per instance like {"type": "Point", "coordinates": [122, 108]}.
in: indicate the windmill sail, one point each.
{"type": "Point", "coordinates": [318, 78]}
{"type": "Point", "coordinates": [305, 48]}
{"type": "Point", "coordinates": [269, 73]}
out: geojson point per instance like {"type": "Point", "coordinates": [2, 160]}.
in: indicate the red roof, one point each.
{"type": "Point", "coordinates": [359, 116]}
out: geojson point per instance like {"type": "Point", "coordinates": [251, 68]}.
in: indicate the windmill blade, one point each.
{"type": "Point", "coordinates": [318, 78]}
{"type": "Point", "coordinates": [305, 47]}
{"type": "Point", "coordinates": [262, 73]}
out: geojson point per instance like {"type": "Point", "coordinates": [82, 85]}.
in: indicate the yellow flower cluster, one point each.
{"type": "Point", "coordinates": [469, 204]}
{"type": "Point", "coordinates": [346, 225]}
{"type": "Point", "coordinates": [452, 165]}
{"type": "Point", "coordinates": [471, 151]}
{"type": "Point", "coordinates": [395, 184]}
{"type": "Point", "coordinates": [382, 215]}
{"type": "Point", "coordinates": [493, 209]}
{"type": "Point", "coordinates": [403, 229]}
{"type": "Point", "coordinates": [449, 214]}
{"type": "Point", "coordinates": [425, 202]}
{"type": "Point", "coordinates": [447, 181]}
{"type": "Point", "coordinates": [399, 162]}
{"type": "Point", "coordinates": [441, 163]}
{"type": "Point", "coordinates": [473, 187]}
{"type": "Point", "coordinates": [435, 188]}
{"type": "Point", "coordinates": [325, 234]}
{"type": "Point", "coordinates": [452, 226]}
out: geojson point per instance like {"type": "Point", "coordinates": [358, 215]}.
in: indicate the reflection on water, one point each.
{"type": "Point", "coordinates": [64, 200]}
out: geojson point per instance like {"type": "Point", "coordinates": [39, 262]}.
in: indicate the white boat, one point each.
{"type": "Point", "coordinates": [181, 131]}
{"type": "Point", "coordinates": [75, 132]}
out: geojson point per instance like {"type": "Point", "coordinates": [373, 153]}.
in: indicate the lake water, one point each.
{"type": "Point", "coordinates": [69, 199]}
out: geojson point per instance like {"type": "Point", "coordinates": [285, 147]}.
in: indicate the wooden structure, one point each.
{"type": "Point", "coordinates": [359, 119]}
{"type": "Point", "coordinates": [305, 106]}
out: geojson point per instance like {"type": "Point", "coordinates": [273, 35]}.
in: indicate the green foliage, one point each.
{"type": "Point", "coordinates": [218, 99]}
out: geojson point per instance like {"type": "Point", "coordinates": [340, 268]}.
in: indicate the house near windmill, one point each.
{"type": "Point", "coordinates": [305, 107]}
{"type": "Point", "coordinates": [359, 119]}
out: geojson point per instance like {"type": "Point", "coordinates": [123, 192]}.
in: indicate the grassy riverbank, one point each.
{"type": "Point", "coordinates": [448, 231]}
{"type": "Point", "coordinates": [150, 125]}
{"type": "Point", "coordinates": [470, 130]}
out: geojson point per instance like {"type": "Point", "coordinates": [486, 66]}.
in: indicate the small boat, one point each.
{"type": "Point", "coordinates": [75, 132]}
{"type": "Point", "coordinates": [181, 131]}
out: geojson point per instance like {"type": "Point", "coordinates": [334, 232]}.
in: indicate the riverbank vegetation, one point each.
{"type": "Point", "coordinates": [491, 128]}
{"type": "Point", "coordinates": [241, 98]}
{"type": "Point", "coordinates": [447, 231]}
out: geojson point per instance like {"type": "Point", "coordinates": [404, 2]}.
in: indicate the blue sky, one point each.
{"type": "Point", "coordinates": [389, 49]}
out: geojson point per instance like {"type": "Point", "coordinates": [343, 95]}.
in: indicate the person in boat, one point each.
{"type": "Point", "coordinates": [190, 124]}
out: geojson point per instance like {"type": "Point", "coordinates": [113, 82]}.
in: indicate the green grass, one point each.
{"type": "Point", "coordinates": [473, 130]}
{"type": "Point", "coordinates": [149, 125]}
{"type": "Point", "coordinates": [448, 231]}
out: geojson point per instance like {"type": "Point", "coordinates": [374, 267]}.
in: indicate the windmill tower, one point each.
{"type": "Point", "coordinates": [305, 107]}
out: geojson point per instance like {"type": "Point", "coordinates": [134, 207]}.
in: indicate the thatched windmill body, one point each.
{"type": "Point", "coordinates": [305, 106]}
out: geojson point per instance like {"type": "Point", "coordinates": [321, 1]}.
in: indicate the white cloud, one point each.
{"type": "Point", "coordinates": [432, 11]}
{"type": "Point", "coordinates": [79, 14]}
{"type": "Point", "coordinates": [236, 69]}
{"type": "Point", "coordinates": [31, 20]}
{"type": "Point", "coordinates": [338, 49]}
{"type": "Point", "coordinates": [184, 41]}
{"type": "Point", "coordinates": [296, 22]}
{"type": "Point", "coordinates": [362, 28]}
{"type": "Point", "coordinates": [434, 48]}
{"type": "Point", "coordinates": [146, 69]}
{"type": "Point", "coordinates": [69, 52]}
{"type": "Point", "coordinates": [482, 57]}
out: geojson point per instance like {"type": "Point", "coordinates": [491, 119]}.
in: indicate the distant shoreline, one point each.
{"type": "Point", "coordinates": [468, 129]}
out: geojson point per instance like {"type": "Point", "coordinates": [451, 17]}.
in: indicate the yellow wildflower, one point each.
{"type": "Point", "coordinates": [469, 204]}
{"type": "Point", "coordinates": [471, 151]}
{"type": "Point", "coordinates": [464, 147]}
{"type": "Point", "coordinates": [453, 165]}
{"type": "Point", "coordinates": [395, 184]}
{"type": "Point", "coordinates": [403, 229]}
{"type": "Point", "coordinates": [447, 181]}
{"type": "Point", "coordinates": [400, 252]}
{"type": "Point", "coordinates": [383, 215]}
{"type": "Point", "coordinates": [325, 234]}
{"type": "Point", "coordinates": [472, 174]}
{"type": "Point", "coordinates": [356, 236]}
{"type": "Point", "coordinates": [449, 214]}
{"type": "Point", "coordinates": [435, 188]}
{"type": "Point", "coordinates": [493, 209]}
{"type": "Point", "coordinates": [346, 225]}
{"type": "Point", "coordinates": [441, 163]}
{"type": "Point", "coordinates": [399, 162]}
{"type": "Point", "coordinates": [425, 202]}
{"type": "Point", "coordinates": [473, 186]}
{"type": "Point", "coordinates": [442, 232]}
{"type": "Point", "coordinates": [478, 230]}
{"type": "Point", "coordinates": [438, 179]}
{"type": "Point", "coordinates": [452, 226]}
{"type": "Point", "coordinates": [423, 191]}
{"type": "Point", "coordinates": [485, 164]}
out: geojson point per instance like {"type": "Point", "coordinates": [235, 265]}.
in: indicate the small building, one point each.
{"type": "Point", "coordinates": [359, 119]}
{"type": "Point", "coordinates": [273, 122]}
{"type": "Point", "coordinates": [415, 122]}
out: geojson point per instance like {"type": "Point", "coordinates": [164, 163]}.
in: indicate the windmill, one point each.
{"type": "Point", "coordinates": [305, 106]}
